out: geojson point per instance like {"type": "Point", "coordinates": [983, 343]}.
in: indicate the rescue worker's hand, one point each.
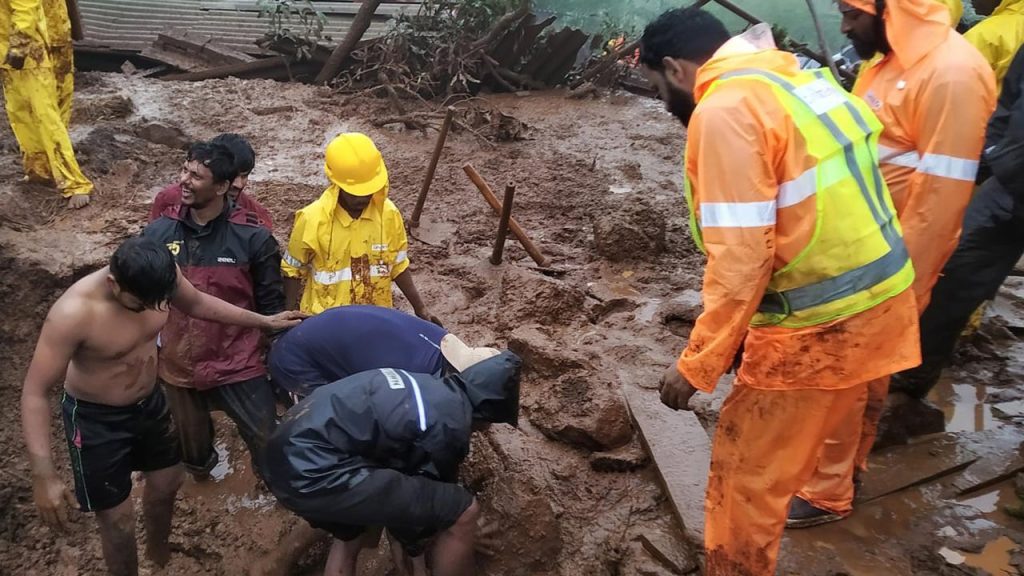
{"type": "Point", "coordinates": [284, 320]}
{"type": "Point", "coordinates": [675, 390]}
{"type": "Point", "coordinates": [488, 537]}
{"type": "Point", "coordinates": [426, 315]}
{"type": "Point", "coordinates": [52, 499]}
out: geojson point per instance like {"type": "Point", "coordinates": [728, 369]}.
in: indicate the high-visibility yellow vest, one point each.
{"type": "Point", "coordinates": [856, 258]}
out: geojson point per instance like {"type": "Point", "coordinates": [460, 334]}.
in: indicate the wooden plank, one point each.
{"type": "Point", "coordinates": [238, 70]}
{"type": "Point", "coordinates": [901, 467]}
{"type": "Point", "coordinates": [681, 451]}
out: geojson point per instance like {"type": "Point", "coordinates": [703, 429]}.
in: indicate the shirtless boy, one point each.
{"type": "Point", "coordinates": [100, 338]}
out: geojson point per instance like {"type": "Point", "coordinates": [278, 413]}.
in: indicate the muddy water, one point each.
{"type": "Point", "coordinates": [964, 405]}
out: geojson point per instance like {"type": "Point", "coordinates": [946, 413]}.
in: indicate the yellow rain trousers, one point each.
{"type": "Point", "coordinates": [999, 36]}
{"type": "Point", "coordinates": [38, 96]}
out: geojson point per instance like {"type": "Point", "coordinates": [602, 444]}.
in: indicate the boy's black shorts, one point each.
{"type": "Point", "coordinates": [107, 443]}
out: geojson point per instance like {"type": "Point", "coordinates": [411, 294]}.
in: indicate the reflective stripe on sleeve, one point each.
{"type": "Point", "coordinates": [737, 214]}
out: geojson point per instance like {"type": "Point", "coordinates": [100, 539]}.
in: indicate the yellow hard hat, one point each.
{"type": "Point", "coordinates": [354, 164]}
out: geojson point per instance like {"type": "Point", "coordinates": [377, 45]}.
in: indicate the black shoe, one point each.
{"type": "Point", "coordinates": [803, 515]}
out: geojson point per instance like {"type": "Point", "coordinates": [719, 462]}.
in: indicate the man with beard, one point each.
{"type": "Point", "coordinates": [226, 251]}
{"type": "Point", "coordinates": [806, 269]}
{"type": "Point", "coordinates": [933, 93]}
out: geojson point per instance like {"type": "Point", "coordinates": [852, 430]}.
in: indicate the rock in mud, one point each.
{"type": "Point", "coordinates": [532, 296]}
{"type": "Point", "coordinates": [542, 356]}
{"type": "Point", "coordinates": [157, 133]}
{"type": "Point", "coordinates": [530, 534]}
{"type": "Point", "coordinates": [585, 411]}
{"type": "Point", "coordinates": [626, 459]}
{"type": "Point", "coordinates": [669, 551]}
{"type": "Point", "coordinates": [107, 107]}
{"type": "Point", "coordinates": [636, 231]}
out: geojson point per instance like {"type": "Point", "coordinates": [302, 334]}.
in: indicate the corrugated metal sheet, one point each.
{"type": "Point", "coordinates": [134, 24]}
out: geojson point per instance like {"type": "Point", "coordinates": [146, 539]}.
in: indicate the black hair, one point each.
{"type": "Point", "coordinates": [217, 157]}
{"type": "Point", "coordinates": [684, 33]}
{"type": "Point", "coordinates": [145, 269]}
{"type": "Point", "coordinates": [245, 156]}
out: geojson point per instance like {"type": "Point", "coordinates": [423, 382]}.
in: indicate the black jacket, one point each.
{"type": "Point", "coordinates": [1003, 156]}
{"type": "Point", "coordinates": [417, 424]}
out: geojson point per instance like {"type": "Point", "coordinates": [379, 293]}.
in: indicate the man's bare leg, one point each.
{"type": "Point", "coordinates": [343, 556]}
{"type": "Point", "coordinates": [117, 533]}
{"type": "Point", "coordinates": [453, 552]}
{"type": "Point", "coordinates": [158, 508]}
{"type": "Point", "coordinates": [288, 552]}
{"type": "Point", "coordinates": [77, 201]}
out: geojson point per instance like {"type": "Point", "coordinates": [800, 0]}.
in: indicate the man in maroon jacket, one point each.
{"type": "Point", "coordinates": [227, 252]}
{"type": "Point", "coordinates": [168, 201]}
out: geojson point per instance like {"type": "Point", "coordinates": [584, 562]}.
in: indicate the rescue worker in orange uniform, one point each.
{"type": "Point", "coordinates": [806, 269]}
{"type": "Point", "coordinates": [934, 93]}
{"type": "Point", "coordinates": [35, 48]}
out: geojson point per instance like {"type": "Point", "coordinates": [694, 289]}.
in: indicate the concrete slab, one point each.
{"type": "Point", "coordinates": [681, 451]}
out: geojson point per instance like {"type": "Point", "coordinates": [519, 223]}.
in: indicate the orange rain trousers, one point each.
{"type": "Point", "coordinates": [766, 447]}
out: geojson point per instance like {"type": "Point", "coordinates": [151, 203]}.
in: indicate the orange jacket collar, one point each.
{"type": "Point", "coordinates": [914, 27]}
{"type": "Point", "coordinates": [755, 48]}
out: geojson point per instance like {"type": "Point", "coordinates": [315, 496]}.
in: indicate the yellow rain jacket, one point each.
{"type": "Point", "coordinates": [38, 95]}
{"type": "Point", "coordinates": [999, 36]}
{"type": "Point", "coordinates": [343, 260]}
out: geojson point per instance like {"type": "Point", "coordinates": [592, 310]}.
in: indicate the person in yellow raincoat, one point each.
{"type": "Point", "coordinates": [999, 36]}
{"type": "Point", "coordinates": [38, 110]}
{"type": "Point", "coordinates": [349, 246]}
{"type": "Point", "coordinates": [806, 270]}
{"type": "Point", "coordinates": [934, 95]}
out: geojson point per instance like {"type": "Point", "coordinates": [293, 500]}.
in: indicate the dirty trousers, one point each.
{"type": "Point", "coordinates": [766, 448]}
{"type": "Point", "coordinates": [250, 404]}
{"type": "Point", "coordinates": [33, 108]}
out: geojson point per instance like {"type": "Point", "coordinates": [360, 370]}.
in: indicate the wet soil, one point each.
{"type": "Point", "coordinates": [570, 491]}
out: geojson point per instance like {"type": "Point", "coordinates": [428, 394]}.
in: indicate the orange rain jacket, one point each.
{"type": "Point", "coordinates": [934, 94]}
{"type": "Point", "coordinates": [742, 146]}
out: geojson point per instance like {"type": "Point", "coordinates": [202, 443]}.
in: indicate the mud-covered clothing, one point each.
{"type": "Point", "coordinates": [399, 431]}
{"type": "Point", "coordinates": [347, 340]}
{"type": "Point", "coordinates": [235, 259]}
{"type": "Point", "coordinates": [250, 405]}
{"type": "Point", "coordinates": [344, 260]}
{"type": "Point", "coordinates": [168, 203]}
{"type": "Point", "coordinates": [108, 443]}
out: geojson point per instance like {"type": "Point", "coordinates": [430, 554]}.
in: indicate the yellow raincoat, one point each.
{"type": "Point", "coordinates": [999, 36]}
{"type": "Point", "coordinates": [343, 260]}
{"type": "Point", "coordinates": [37, 111]}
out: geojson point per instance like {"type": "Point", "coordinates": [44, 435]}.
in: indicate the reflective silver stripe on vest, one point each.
{"type": "Point", "coordinates": [863, 277]}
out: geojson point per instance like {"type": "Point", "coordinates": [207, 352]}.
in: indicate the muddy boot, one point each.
{"type": "Point", "coordinates": [802, 514]}
{"type": "Point", "coordinates": [905, 417]}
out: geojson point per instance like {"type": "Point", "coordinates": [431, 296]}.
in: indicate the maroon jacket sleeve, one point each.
{"type": "Point", "coordinates": [168, 198]}
{"type": "Point", "coordinates": [250, 204]}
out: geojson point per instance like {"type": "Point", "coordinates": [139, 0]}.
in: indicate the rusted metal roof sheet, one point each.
{"type": "Point", "coordinates": [134, 24]}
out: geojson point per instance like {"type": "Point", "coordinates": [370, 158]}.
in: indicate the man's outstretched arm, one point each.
{"type": "Point", "coordinates": [205, 307]}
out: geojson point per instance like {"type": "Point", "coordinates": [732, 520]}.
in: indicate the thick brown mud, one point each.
{"type": "Point", "coordinates": [598, 189]}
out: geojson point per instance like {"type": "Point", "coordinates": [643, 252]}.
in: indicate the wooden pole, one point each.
{"type": "Point", "coordinates": [821, 40]}
{"type": "Point", "coordinates": [360, 24]}
{"type": "Point", "coordinates": [514, 226]}
{"type": "Point", "coordinates": [506, 214]}
{"type": "Point", "coordinates": [75, 16]}
{"type": "Point", "coordinates": [432, 167]}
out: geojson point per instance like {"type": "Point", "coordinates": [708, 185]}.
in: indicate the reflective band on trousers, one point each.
{"type": "Point", "coordinates": [940, 165]}
{"type": "Point", "coordinates": [821, 96]}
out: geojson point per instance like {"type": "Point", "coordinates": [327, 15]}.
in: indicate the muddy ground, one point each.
{"type": "Point", "coordinates": [598, 189]}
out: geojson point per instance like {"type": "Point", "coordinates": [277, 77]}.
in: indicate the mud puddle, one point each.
{"type": "Point", "coordinates": [964, 405]}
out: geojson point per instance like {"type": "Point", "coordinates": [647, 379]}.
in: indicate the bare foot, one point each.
{"type": "Point", "coordinates": [79, 201]}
